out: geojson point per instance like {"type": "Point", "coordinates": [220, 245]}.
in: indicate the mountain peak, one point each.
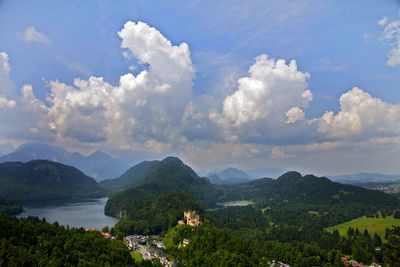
{"type": "Point", "coordinates": [172, 159]}
{"type": "Point", "coordinates": [292, 175]}
{"type": "Point", "coordinates": [99, 155]}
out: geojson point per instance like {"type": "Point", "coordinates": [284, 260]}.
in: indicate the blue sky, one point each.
{"type": "Point", "coordinates": [340, 44]}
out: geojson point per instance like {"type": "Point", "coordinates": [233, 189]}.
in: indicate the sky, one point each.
{"type": "Point", "coordinates": [307, 85]}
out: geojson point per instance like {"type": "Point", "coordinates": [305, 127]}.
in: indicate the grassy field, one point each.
{"type": "Point", "coordinates": [373, 225]}
{"type": "Point", "coordinates": [137, 256]}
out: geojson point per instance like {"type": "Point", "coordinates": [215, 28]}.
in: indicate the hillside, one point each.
{"type": "Point", "coordinates": [42, 180]}
{"type": "Point", "coordinates": [167, 175]}
{"type": "Point", "coordinates": [294, 189]}
{"type": "Point", "coordinates": [98, 165]}
{"type": "Point", "coordinates": [133, 176]}
{"type": "Point", "coordinates": [10, 207]}
{"type": "Point", "coordinates": [143, 213]}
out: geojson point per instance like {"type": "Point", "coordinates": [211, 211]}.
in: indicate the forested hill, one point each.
{"type": "Point", "coordinates": [133, 176]}
{"type": "Point", "coordinates": [42, 180]}
{"type": "Point", "coordinates": [167, 175]}
{"type": "Point", "coordinates": [293, 188]}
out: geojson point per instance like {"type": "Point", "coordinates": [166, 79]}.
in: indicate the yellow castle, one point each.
{"type": "Point", "coordinates": [192, 219]}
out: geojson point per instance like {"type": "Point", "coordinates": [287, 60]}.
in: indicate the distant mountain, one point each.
{"type": "Point", "coordinates": [266, 172]}
{"type": "Point", "coordinates": [233, 174]}
{"type": "Point", "coordinates": [293, 189]}
{"type": "Point", "coordinates": [98, 165]}
{"type": "Point", "coordinates": [229, 176]}
{"type": "Point", "coordinates": [43, 180]}
{"type": "Point", "coordinates": [366, 178]}
{"type": "Point", "coordinates": [215, 179]}
{"type": "Point", "coordinates": [158, 177]}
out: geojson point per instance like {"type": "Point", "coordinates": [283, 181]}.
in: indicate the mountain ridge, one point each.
{"type": "Point", "coordinates": [98, 165]}
{"type": "Point", "coordinates": [44, 180]}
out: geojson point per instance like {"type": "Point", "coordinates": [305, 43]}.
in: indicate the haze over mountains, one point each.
{"type": "Point", "coordinates": [229, 176]}
{"type": "Point", "coordinates": [98, 165]}
{"type": "Point", "coordinates": [366, 178]}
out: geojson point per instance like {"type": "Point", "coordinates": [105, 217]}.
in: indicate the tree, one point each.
{"type": "Point", "coordinates": [350, 232]}
{"type": "Point", "coordinates": [396, 214]}
{"type": "Point", "coordinates": [394, 257]}
{"type": "Point", "coordinates": [377, 240]}
{"type": "Point", "coordinates": [105, 229]}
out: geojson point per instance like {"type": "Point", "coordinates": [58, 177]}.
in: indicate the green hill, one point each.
{"type": "Point", "coordinates": [131, 177]}
{"type": "Point", "coordinates": [42, 180]}
{"type": "Point", "coordinates": [143, 213]}
{"type": "Point", "coordinates": [293, 189]}
{"type": "Point", "coordinates": [167, 175]}
{"type": "Point", "coordinates": [161, 192]}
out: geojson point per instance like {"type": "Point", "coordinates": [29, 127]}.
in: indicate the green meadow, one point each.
{"type": "Point", "coordinates": [137, 256]}
{"type": "Point", "coordinates": [373, 225]}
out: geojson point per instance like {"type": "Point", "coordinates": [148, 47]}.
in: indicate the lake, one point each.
{"type": "Point", "coordinates": [86, 214]}
{"type": "Point", "coordinates": [240, 203]}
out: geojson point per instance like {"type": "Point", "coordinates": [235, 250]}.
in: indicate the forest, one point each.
{"type": "Point", "coordinates": [43, 181]}
{"type": "Point", "coordinates": [34, 242]}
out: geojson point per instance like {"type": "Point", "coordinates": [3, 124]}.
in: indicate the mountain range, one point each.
{"type": "Point", "coordinates": [98, 165]}
{"type": "Point", "coordinates": [229, 176]}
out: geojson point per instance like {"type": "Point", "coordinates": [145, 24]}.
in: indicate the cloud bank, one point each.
{"type": "Point", "coordinates": [153, 111]}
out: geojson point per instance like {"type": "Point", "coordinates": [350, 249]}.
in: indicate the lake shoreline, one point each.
{"type": "Point", "coordinates": [86, 213]}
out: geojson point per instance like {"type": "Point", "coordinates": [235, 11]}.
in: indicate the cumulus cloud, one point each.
{"type": "Point", "coordinates": [6, 85]}
{"type": "Point", "coordinates": [361, 116]}
{"type": "Point", "coordinates": [274, 93]}
{"type": "Point", "coordinates": [25, 116]}
{"type": "Point", "coordinates": [31, 35]}
{"type": "Point", "coordinates": [273, 86]}
{"type": "Point", "coordinates": [277, 153]}
{"type": "Point", "coordinates": [294, 114]}
{"type": "Point", "coordinates": [263, 118]}
{"type": "Point", "coordinates": [391, 33]}
{"type": "Point", "coordinates": [144, 109]}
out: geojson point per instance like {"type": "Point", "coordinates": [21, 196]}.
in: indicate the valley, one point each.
{"type": "Point", "coordinates": [293, 219]}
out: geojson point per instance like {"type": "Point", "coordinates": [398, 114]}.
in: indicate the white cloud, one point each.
{"type": "Point", "coordinates": [258, 110]}
{"type": "Point", "coordinates": [383, 21]}
{"type": "Point", "coordinates": [391, 33]}
{"type": "Point", "coordinates": [277, 153]}
{"type": "Point", "coordinates": [361, 116]}
{"type": "Point", "coordinates": [394, 56]}
{"type": "Point", "coordinates": [142, 111]}
{"type": "Point", "coordinates": [31, 35]}
{"type": "Point", "coordinates": [6, 85]}
{"type": "Point", "coordinates": [294, 114]}
{"type": "Point", "coordinates": [5, 103]}
{"type": "Point", "coordinates": [272, 88]}
{"type": "Point", "coordinates": [20, 113]}
{"type": "Point", "coordinates": [262, 120]}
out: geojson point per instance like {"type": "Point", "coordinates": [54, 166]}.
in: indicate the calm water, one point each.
{"type": "Point", "coordinates": [87, 214]}
{"type": "Point", "coordinates": [236, 204]}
